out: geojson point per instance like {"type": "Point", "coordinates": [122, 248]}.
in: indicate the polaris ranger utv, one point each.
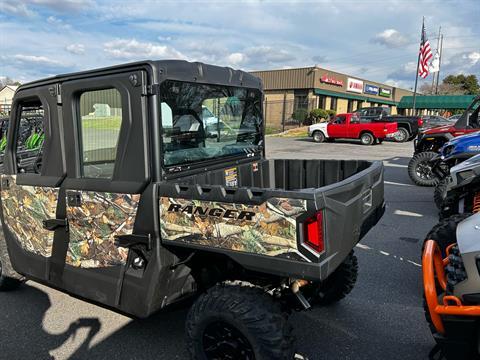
{"type": "Point", "coordinates": [429, 142]}
{"type": "Point", "coordinates": [137, 201]}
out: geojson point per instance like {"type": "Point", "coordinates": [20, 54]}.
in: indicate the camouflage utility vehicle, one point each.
{"type": "Point", "coordinates": [151, 185]}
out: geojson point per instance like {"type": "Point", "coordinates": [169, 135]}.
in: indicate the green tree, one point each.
{"type": "Point", "coordinates": [467, 84]}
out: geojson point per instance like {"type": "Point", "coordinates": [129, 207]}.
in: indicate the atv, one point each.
{"type": "Point", "coordinates": [462, 189]}
{"type": "Point", "coordinates": [451, 154]}
{"type": "Point", "coordinates": [451, 280]}
{"type": "Point", "coordinates": [429, 142]}
{"type": "Point", "coordinates": [132, 196]}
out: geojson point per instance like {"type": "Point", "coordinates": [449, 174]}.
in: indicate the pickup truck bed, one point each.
{"type": "Point", "coordinates": [265, 210]}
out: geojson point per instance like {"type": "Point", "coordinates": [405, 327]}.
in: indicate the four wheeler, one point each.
{"type": "Point", "coordinates": [138, 200]}
{"type": "Point", "coordinates": [462, 189]}
{"type": "Point", "coordinates": [451, 154]}
{"type": "Point", "coordinates": [430, 141]}
{"type": "Point", "coordinates": [451, 280]}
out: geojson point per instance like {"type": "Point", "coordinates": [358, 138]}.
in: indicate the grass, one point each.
{"type": "Point", "coordinates": [102, 123]}
{"type": "Point", "coordinates": [296, 132]}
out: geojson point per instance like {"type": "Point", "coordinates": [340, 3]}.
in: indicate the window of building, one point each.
{"type": "Point", "coordinates": [333, 103]}
{"type": "Point", "coordinates": [30, 137]}
{"type": "Point", "coordinates": [300, 101]}
{"type": "Point", "coordinates": [100, 123]}
{"type": "Point", "coordinates": [350, 106]}
{"type": "Point", "coordinates": [322, 101]}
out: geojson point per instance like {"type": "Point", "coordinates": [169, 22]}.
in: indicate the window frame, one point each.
{"type": "Point", "coordinates": [79, 131]}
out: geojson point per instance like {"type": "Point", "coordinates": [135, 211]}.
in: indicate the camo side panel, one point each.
{"type": "Point", "coordinates": [271, 230]}
{"type": "Point", "coordinates": [93, 226]}
{"type": "Point", "coordinates": [24, 209]}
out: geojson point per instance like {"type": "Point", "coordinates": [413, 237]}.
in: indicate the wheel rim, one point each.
{"type": "Point", "coordinates": [366, 139]}
{"type": "Point", "coordinates": [317, 137]}
{"type": "Point", "coordinates": [424, 170]}
{"type": "Point", "coordinates": [223, 341]}
{"type": "Point", "coordinates": [400, 135]}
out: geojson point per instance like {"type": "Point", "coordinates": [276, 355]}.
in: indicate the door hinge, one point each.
{"type": "Point", "coordinates": [153, 89]}
{"type": "Point", "coordinates": [74, 198]}
{"type": "Point", "coordinates": [54, 224]}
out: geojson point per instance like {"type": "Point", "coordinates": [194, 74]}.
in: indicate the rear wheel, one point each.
{"type": "Point", "coordinates": [401, 135]}
{"type": "Point", "coordinates": [7, 283]}
{"type": "Point", "coordinates": [318, 136]}
{"type": "Point", "coordinates": [338, 285]}
{"type": "Point", "coordinates": [420, 169]}
{"type": "Point", "coordinates": [367, 139]}
{"type": "Point", "coordinates": [238, 322]}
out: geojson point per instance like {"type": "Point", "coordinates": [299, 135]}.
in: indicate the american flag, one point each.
{"type": "Point", "coordinates": [425, 55]}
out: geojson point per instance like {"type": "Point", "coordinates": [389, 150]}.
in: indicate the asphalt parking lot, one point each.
{"type": "Point", "coordinates": [381, 319]}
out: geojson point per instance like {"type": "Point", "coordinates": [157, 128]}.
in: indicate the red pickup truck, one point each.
{"type": "Point", "coordinates": [350, 126]}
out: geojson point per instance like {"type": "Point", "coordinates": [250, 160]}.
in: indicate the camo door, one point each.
{"type": "Point", "coordinates": [30, 183]}
{"type": "Point", "coordinates": [105, 180]}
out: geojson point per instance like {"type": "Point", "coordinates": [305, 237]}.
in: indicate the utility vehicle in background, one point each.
{"type": "Point", "coordinates": [351, 126]}
{"type": "Point", "coordinates": [429, 142]}
{"type": "Point", "coordinates": [132, 204]}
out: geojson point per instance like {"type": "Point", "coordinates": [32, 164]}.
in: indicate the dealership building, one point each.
{"type": "Point", "coordinates": [290, 90]}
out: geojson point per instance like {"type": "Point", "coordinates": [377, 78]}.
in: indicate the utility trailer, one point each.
{"type": "Point", "coordinates": [133, 204]}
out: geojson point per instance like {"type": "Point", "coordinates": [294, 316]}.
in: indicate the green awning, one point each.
{"type": "Point", "coordinates": [353, 97]}
{"type": "Point", "coordinates": [436, 102]}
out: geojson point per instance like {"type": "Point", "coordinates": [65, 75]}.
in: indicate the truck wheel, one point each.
{"type": "Point", "coordinates": [420, 169]}
{"type": "Point", "coordinates": [318, 136]}
{"type": "Point", "coordinates": [238, 322]}
{"type": "Point", "coordinates": [440, 192]}
{"type": "Point", "coordinates": [338, 285]}
{"type": "Point", "coordinates": [7, 283]}
{"type": "Point", "coordinates": [367, 139]}
{"type": "Point", "coordinates": [401, 135]}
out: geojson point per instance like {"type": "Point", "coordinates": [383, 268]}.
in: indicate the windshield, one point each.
{"type": "Point", "coordinates": [202, 122]}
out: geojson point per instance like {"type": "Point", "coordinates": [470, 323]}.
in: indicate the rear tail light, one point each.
{"type": "Point", "coordinates": [420, 122]}
{"type": "Point", "coordinates": [313, 232]}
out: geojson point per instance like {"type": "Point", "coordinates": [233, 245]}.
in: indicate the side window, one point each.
{"type": "Point", "coordinates": [100, 123]}
{"type": "Point", "coordinates": [30, 137]}
{"type": "Point", "coordinates": [340, 120]}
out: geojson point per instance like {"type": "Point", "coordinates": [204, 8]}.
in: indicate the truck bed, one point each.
{"type": "Point", "coordinates": [255, 212]}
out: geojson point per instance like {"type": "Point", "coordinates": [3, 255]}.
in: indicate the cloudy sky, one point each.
{"type": "Point", "coordinates": [377, 40]}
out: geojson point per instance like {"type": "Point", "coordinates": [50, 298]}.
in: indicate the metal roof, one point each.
{"type": "Point", "coordinates": [436, 101]}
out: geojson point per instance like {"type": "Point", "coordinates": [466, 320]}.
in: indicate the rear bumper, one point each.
{"type": "Point", "coordinates": [433, 268]}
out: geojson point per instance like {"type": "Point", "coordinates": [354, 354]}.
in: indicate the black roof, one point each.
{"type": "Point", "coordinates": [165, 69]}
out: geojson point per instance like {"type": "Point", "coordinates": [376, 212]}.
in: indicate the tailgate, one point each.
{"type": "Point", "coordinates": [263, 229]}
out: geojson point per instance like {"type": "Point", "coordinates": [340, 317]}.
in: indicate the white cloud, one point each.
{"type": "Point", "coordinates": [36, 60]}
{"type": "Point", "coordinates": [77, 49]}
{"type": "Point", "coordinates": [390, 38]}
{"type": "Point", "coordinates": [62, 5]}
{"type": "Point", "coordinates": [52, 20]}
{"type": "Point", "coordinates": [14, 7]}
{"type": "Point", "coordinates": [236, 59]}
{"type": "Point", "coordinates": [132, 49]}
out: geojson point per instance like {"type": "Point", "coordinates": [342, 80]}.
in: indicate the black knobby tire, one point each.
{"type": "Point", "coordinates": [440, 192]}
{"type": "Point", "coordinates": [401, 135]}
{"type": "Point", "coordinates": [367, 139]}
{"type": "Point", "coordinates": [318, 136]}
{"type": "Point", "coordinates": [7, 283]}
{"type": "Point", "coordinates": [420, 169]}
{"type": "Point", "coordinates": [229, 319]}
{"type": "Point", "coordinates": [445, 232]}
{"type": "Point", "coordinates": [338, 285]}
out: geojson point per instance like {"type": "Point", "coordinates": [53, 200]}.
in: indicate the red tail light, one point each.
{"type": "Point", "coordinates": [313, 232]}
{"type": "Point", "coordinates": [420, 122]}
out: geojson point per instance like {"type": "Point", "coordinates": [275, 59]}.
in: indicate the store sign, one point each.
{"type": "Point", "coordinates": [385, 92]}
{"type": "Point", "coordinates": [328, 79]}
{"type": "Point", "coordinates": [355, 85]}
{"type": "Point", "coordinates": [371, 89]}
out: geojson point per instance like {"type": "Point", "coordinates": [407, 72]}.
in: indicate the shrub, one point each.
{"type": "Point", "coordinates": [331, 113]}
{"type": "Point", "coordinates": [300, 115]}
{"type": "Point", "coordinates": [317, 115]}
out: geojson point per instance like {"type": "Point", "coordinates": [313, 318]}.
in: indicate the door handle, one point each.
{"type": "Point", "coordinates": [53, 224]}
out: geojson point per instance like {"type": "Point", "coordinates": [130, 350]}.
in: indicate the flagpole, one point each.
{"type": "Point", "coordinates": [439, 65]}
{"type": "Point", "coordinates": [438, 47]}
{"type": "Point", "coordinates": [416, 74]}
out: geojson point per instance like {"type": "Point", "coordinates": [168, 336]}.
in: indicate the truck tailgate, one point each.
{"type": "Point", "coordinates": [262, 227]}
